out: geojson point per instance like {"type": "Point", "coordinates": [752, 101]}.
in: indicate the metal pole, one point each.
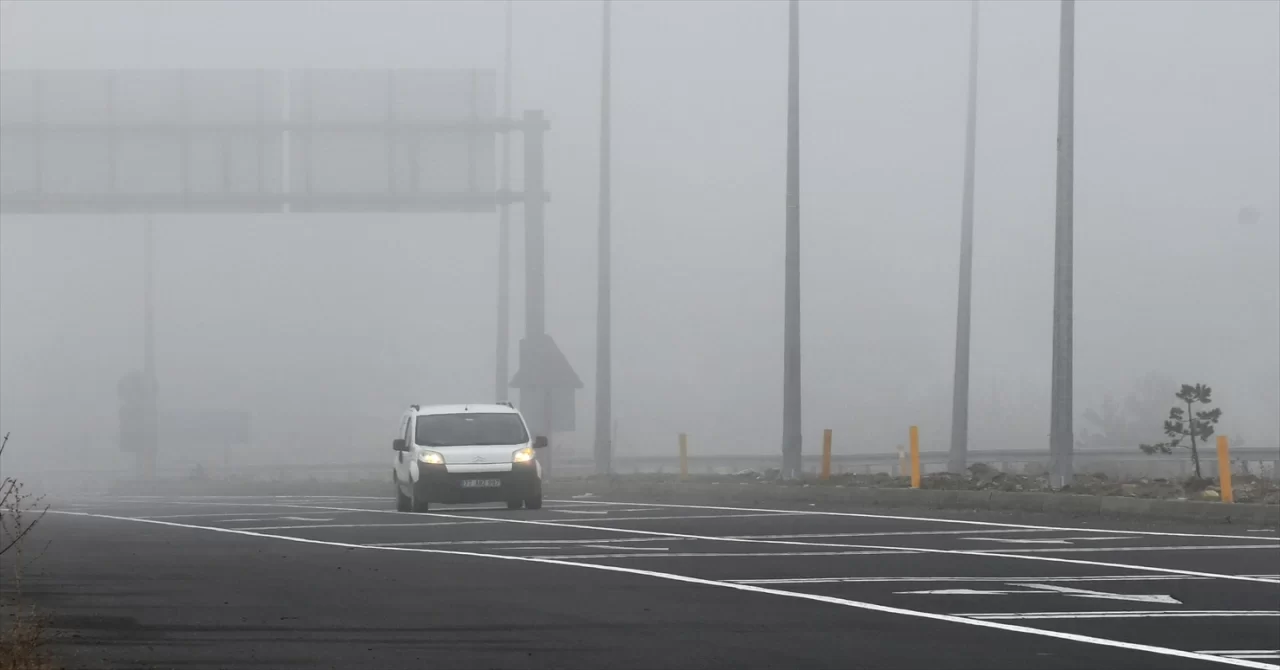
{"type": "Point", "coordinates": [535, 324]}
{"type": "Point", "coordinates": [502, 374]}
{"type": "Point", "coordinates": [604, 309]}
{"type": "Point", "coordinates": [1060, 428]}
{"type": "Point", "coordinates": [791, 438]}
{"type": "Point", "coordinates": [959, 456]}
{"type": "Point", "coordinates": [148, 452]}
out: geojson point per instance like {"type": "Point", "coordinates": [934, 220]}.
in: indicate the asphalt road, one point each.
{"type": "Point", "coordinates": [341, 582]}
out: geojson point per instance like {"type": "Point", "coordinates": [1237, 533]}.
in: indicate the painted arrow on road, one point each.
{"type": "Point", "coordinates": [1051, 588]}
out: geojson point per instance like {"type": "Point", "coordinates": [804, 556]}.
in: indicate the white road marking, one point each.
{"type": "Point", "coordinates": [300, 518]}
{"type": "Point", "coordinates": [1016, 554]}
{"type": "Point", "coordinates": [746, 554]}
{"type": "Point", "coordinates": [668, 518]}
{"type": "Point", "coordinates": [362, 525]}
{"type": "Point", "coordinates": [844, 602]}
{"type": "Point", "coordinates": [1010, 553]}
{"type": "Point", "coordinates": [1104, 595]}
{"type": "Point", "coordinates": [1124, 614]}
{"type": "Point", "coordinates": [1048, 540]}
{"type": "Point", "coordinates": [1244, 653]}
{"type": "Point", "coordinates": [214, 514]}
{"type": "Point", "coordinates": [967, 522]}
{"type": "Point", "coordinates": [436, 543]}
{"type": "Point", "coordinates": [892, 533]}
{"type": "Point", "coordinates": [922, 580]}
{"type": "Point", "coordinates": [1187, 547]}
{"type": "Point", "coordinates": [605, 546]}
{"type": "Point", "coordinates": [1041, 589]}
{"type": "Point", "coordinates": [607, 511]}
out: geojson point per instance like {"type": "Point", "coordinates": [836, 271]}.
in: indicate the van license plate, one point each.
{"type": "Point", "coordinates": [481, 483]}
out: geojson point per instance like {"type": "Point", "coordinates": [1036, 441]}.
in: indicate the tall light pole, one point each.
{"type": "Point", "coordinates": [604, 309]}
{"type": "Point", "coordinates": [151, 412]}
{"type": "Point", "coordinates": [1061, 443]}
{"type": "Point", "coordinates": [791, 438]}
{"type": "Point", "coordinates": [502, 375]}
{"type": "Point", "coordinates": [959, 456]}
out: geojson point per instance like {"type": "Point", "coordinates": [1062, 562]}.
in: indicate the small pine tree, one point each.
{"type": "Point", "coordinates": [1196, 425]}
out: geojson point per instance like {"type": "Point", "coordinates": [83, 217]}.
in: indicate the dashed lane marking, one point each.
{"type": "Point", "coordinates": [748, 588]}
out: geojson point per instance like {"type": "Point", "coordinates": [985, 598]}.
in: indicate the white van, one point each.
{"type": "Point", "coordinates": [466, 454]}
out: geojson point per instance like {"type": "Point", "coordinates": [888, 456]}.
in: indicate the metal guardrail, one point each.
{"type": "Point", "coordinates": [648, 463]}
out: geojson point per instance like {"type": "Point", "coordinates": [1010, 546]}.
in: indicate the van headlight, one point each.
{"type": "Point", "coordinates": [431, 457]}
{"type": "Point", "coordinates": [522, 455]}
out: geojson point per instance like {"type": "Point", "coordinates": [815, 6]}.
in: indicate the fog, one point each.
{"type": "Point", "coordinates": [325, 327]}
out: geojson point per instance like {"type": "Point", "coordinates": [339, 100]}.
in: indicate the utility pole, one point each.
{"type": "Point", "coordinates": [959, 457]}
{"type": "Point", "coordinates": [791, 438]}
{"type": "Point", "coordinates": [502, 375]}
{"type": "Point", "coordinates": [1061, 443]}
{"type": "Point", "coordinates": [604, 308]}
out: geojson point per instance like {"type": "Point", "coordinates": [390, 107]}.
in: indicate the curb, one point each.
{"type": "Point", "coordinates": [1048, 503]}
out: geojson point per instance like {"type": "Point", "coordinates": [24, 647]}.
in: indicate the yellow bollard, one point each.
{"type": "Point", "coordinates": [684, 456]}
{"type": "Point", "coordinates": [915, 457]}
{"type": "Point", "coordinates": [826, 454]}
{"type": "Point", "coordinates": [1224, 469]}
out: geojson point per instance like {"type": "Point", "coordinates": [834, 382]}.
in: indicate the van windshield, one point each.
{"type": "Point", "coordinates": [461, 430]}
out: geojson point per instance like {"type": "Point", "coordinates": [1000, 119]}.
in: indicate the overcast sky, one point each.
{"type": "Point", "coordinates": [326, 326]}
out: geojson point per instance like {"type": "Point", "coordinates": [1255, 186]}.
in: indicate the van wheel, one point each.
{"type": "Point", "coordinates": [515, 504]}
{"type": "Point", "coordinates": [417, 504]}
{"type": "Point", "coordinates": [402, 500]}
{"type": "Point", "coordinates": [533, 503]}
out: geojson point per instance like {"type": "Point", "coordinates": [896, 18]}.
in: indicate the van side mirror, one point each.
{"type": "Point", "coordinates": [399, 445]}
{"type": "Point", "coordinates": [539, 442]}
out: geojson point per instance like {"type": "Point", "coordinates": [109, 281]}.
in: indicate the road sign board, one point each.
{"type": "Point", "coordinates": [248, 140]}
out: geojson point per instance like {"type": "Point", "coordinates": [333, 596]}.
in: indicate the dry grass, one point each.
{"type": "Point", "coordinates": [24, 636]}
{"type": "Point", "coordinates": [23, 642]}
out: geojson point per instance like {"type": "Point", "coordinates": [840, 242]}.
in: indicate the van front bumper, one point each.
{"type": "Point", "coordinates": [436, 484]}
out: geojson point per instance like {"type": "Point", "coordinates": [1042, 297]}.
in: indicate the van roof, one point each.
{"type": "Point", "coordinates": [485, 408]}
